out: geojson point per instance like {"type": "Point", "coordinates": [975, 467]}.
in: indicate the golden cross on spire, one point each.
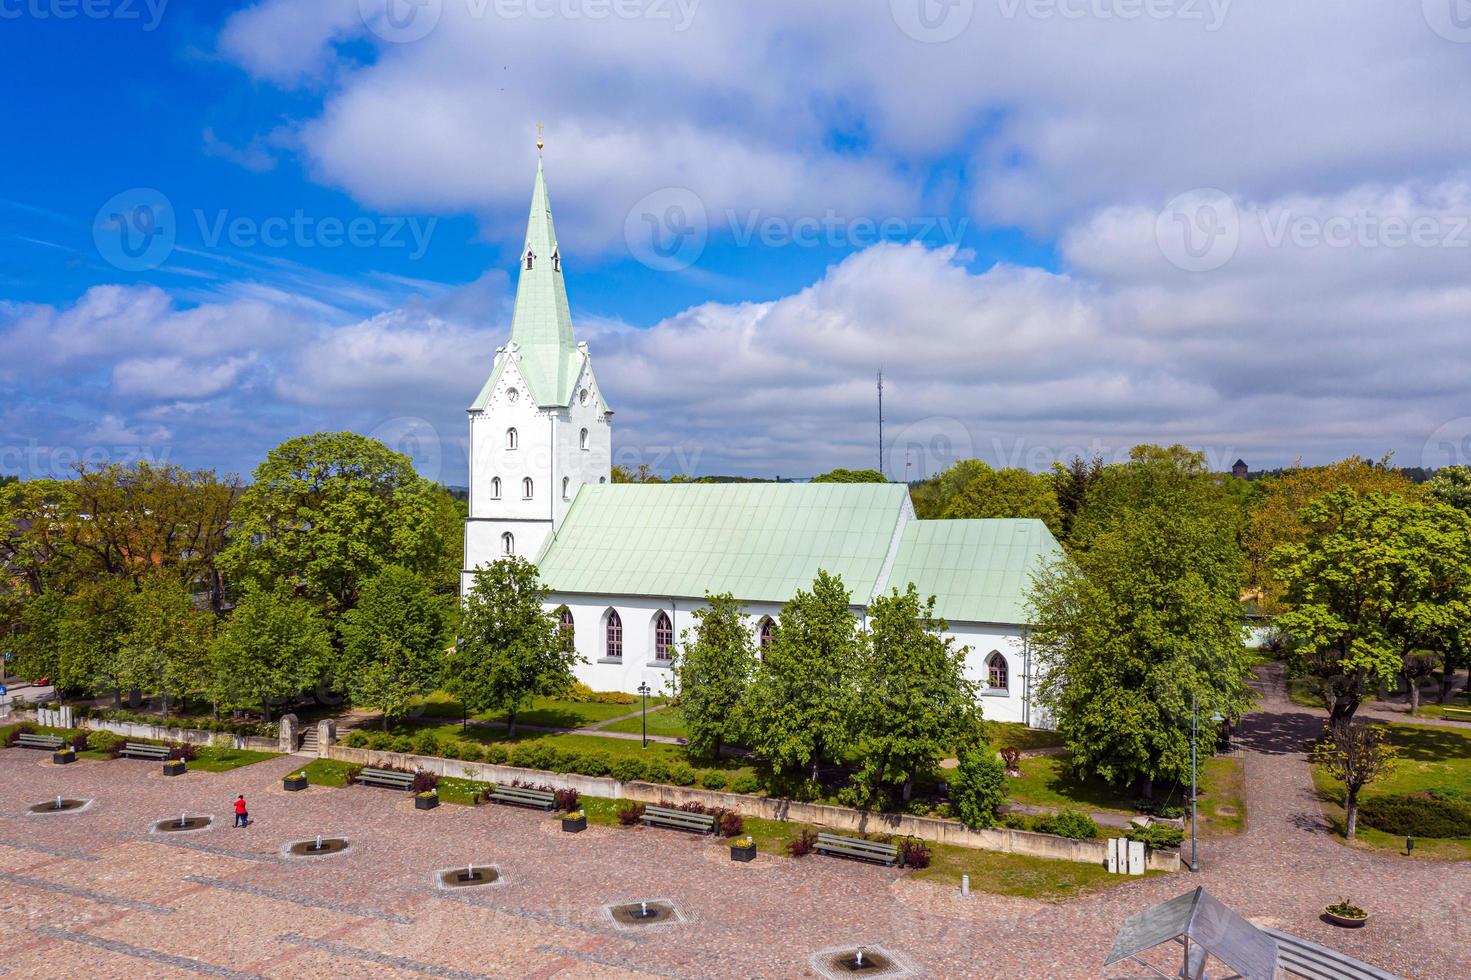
{"type": "Point", "coordinates": [539, 141]}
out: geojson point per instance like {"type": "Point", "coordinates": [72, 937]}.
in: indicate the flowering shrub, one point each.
{"type": "Point", "coordinates": [425, 781]}
{"type": "Point", "coordinates": [629, 815]}
{"type": "Point", "coordinates": [914, 853]}
{"type": "Point", "coordinates": [182, 752]}
{"type": "Point", "coordinates": [566, 799]}
{"type": "Point", "coordinates": [732, 824]}
{"type": "Point", "coordinates": [802, 844]}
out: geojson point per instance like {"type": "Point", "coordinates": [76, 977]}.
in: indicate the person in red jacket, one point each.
{"type": "Point", "coordinates": [242, 818]}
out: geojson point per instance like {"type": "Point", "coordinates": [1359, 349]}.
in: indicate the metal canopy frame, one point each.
{"type": "Point", "coordinates": [1204, 927]}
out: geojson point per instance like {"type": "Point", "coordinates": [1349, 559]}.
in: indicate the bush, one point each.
{"type": "Point", "coordinates": [802, 844]}
{"type": "Point", "coordinates": [582, 694]}
{"type": "Point", "coordinates": [713, 780]}
{"type": "Point", "coordinates": [1016, 821]}
{"type": "Point", "coordinates": [1068, 823]}
{"type": "Point", "coordinates": [595, 764]}
{"type": "Point", "coordinates": [357, 740]}
{"type": "Point", "coordinates": [569, 762]}
{"type": "Point", "coordinates": [1417, 816]}
{"type": "Point", "coordinates": [657, 771]}
{"type": "Point", "coordinates": [628, 770]}
{"type": "Point", "coordinates": [976, 786]}
{"type": "Point", "coordinates": [183, 752]}
{"type": "Point", "coordinates": [470, 752]}
{"type": "Point", "coordinates": [380, 741]}
{"type": "Point", "coordinates": [12, 736]}
{"type": "Point", "coordinates": [424, 781]}
{"type": "Point", "coordinates": [914, 853]}
{"type": "Point", "coordinates": [222, 741]}
{"type": "Point", "coordinates": [682, 775]}
{"type": "Point", "coordinates": [104, 741]}
{"type": "Point", "coordinates": [425, 743]}
{"type": "Point", "coordinates": [745, 784]}
{"type": "Point", "coordinates": [732, 824]}
{"type": "Point", "coordinates": [496, 754]}
{"type": "Point", "coordinates": [401, 745]}
{"type": "Point", "coordinates": [566, 799]}
{"type": "Point", "coordinates": [534, 755]}
{"type": "Point", "coordinates": [1161, 809]}
{"type": "Point", "coordinates": [629, 815]}
{"type": "Point", "coordinates": [1157, 837]}
{"type": "Point", "coordinates": [80, 741]}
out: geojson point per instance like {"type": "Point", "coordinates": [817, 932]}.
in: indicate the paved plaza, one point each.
{"type": "Point", "coordinates": [96, 893]}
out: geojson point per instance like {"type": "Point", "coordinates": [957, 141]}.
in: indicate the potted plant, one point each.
{"type": "Point", "coordinates": [427, 800]}
{"type": "Point", "coordinates": [64, 755]}
{"type": "Point", "coordinates": [295, 782]}
{"type": "Point", "coordinates": [743, 850]}
{"type": "Point", "coordinates": [1346, 915]}
{"type": "Point", "coordinates": [574, 821]}
{"type": "Point", "coordinates": [174, 767]}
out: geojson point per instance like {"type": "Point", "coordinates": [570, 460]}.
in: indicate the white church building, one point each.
{"type": "Point", "coordinates": [628, 564]}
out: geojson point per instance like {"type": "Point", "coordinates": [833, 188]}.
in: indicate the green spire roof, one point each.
{"type": "Point", "coordinates": [541, 328]}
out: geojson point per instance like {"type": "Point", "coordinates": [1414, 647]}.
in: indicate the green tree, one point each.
{"type": "Point", "coordinates": [1143, 620]}
{"type": "Point", "coordinates": [1070, 484]}
{"type": "Point", "coordinates": [1452, 485]}
{"type": "Point", "coordinates": [95, 620]}
{"type": "Point", "coordinates": [1007, 493]}
{"type": "Point", "coordinates": [37, 643]}
{"type": "Point", "coordinates": [327, 511]}
{"type": "Point", "coordinates": [273, 647]}
{"type": "Point", "coordinates": [851, 476]}
{"type": "Point", "coordinates": [393, 642]}
{"type": "Point", "coordinates": [510, 648]}
{"type": "Point", "coordinates": [978, 785]}
{"type": "Point", "coordinates": [1355, 755]}
{"type": "Point", "coordinates": [712, 673]}
{"type": "Point", "coordinates": [798, 708]}
{"type": "Point", "coordinates": [166, 650]}
{"type": "Point", "coordinates": [915, 703]}
{"type": "Point", "coordinates": [1380, 578]}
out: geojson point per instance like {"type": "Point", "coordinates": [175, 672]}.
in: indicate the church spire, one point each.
{"type": "Point", "coordinates": [541, 327]}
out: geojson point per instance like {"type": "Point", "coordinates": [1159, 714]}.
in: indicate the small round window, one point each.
{"type": "Point", "coordinates": [582, 397]}
{"type": "Point", "coordinates": [512, 394]}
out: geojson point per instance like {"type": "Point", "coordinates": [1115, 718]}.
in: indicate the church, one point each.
{"type": "Point", "coordinates": [628, 564]}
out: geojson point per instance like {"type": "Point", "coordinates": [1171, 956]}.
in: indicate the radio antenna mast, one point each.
{"type": "Point", "coordinates": [881, 420]}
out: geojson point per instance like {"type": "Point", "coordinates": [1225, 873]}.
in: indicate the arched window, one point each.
{"type": "Point", "coordinates": [997, 674]}
{"type": "Point", "coordinates": [526, 488]}
{"type": "Point", "coordinates": [508, 544]}
{"type": "Point", "coordinates": [613, 636]}
{"type": "Point", "coordinates": [768, 633]}
{"type": "Point", "coordinates": [530, 258]}
{"type": "Point", "coordinates": [556, 260]}
{"type": "Point", "coordinates": [663, 636]}
{"type": "Point", "coordinates": [567, 628]}
{"type": "Point", "coordinates": [602, 479]}
{"type": "Point", "coordinates": [495, 488]}
{"type": "Point", "coordinates": [582, 441]}
{"type": "Point", "coordinates": [566, 486]}
{"type": "Point", "coordinates": [512, 440]}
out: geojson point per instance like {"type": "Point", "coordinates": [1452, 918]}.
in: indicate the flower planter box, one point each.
{"type": "Point", "coordinates": [426, 802]}
{"type": "Point", "coordinates": [1344, 921]}
{"type": "Point", "coordinates": [574, 825]}
{"type": "Point", "coordinates": [62, 758]}
{"type": "Point", "coordinates": [174, 768]}
{"type": "Point", "coordinates": [294, 784]}
{"type": "Point", "coordinates": [744, 854]}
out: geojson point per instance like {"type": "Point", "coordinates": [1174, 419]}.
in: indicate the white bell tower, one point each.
{"type": "Point", "coordinates": [540, 428]}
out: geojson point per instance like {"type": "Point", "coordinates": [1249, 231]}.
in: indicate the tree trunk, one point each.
{"type": "Point", "coordinates": [908, 789]}
{"type": "Point", "coordinates": [384, 721]}
{"type": "Point", "coordinates": [1351, 813]}
{"type": "Point", "coordinates": [1146, 787]}
{"type": "Point", "coordinates": [265, 705]}
{"type": "Point", "coordinates": [510, 724]}
{"type": "Point", "coordinates": [165, 707]}
{"type": "Point", "coordinates": [1342, 714]}
{"type": "Point", "coordinates": [1414, 695]}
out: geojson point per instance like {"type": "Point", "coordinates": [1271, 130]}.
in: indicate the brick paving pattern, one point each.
{"type": "Point", "coordinates": [94, 893]}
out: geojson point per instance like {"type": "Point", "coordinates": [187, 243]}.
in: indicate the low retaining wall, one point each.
{"type": "Point", "coordinates": [834, 817]}
{"type": "Point", "coordinates": [132, 729]}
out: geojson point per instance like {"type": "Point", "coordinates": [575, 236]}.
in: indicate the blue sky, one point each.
{"type": "Point", "coordinates": [1058, 227]}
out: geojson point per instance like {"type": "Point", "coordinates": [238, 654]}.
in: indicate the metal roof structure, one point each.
{"type": "Point", "coordinates": [978, 570]}
{"type": "Point", "coordinates": [1204, 927]}
{"type": "Point", "coordinates": [762, 542]}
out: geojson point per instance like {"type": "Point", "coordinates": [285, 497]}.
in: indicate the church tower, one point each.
{"type": "Point", "coordinates": [539, 430]}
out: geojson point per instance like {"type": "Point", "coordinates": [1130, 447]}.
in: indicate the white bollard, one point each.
{"type": "Point", "coordinates": [965, 886]}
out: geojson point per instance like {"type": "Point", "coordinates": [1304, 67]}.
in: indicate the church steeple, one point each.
{"type": "Point", "coordinates": [541, 327]}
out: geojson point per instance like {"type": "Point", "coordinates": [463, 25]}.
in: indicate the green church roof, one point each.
{"type": "Point", "coordinates": [762, 542]}
{"type": "Point", "coordinates": [541, 325]}
{"type": "Point", "coordinates": [758, 541]}
{"type": "Point", "coordinates": [978, 571]}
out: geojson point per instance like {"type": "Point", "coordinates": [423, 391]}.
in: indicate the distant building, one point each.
{"type": "Point", "coordinates": [1239, 470]}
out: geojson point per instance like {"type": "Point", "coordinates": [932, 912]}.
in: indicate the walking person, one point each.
{"type": "Point", "coordinates": [242, 818]}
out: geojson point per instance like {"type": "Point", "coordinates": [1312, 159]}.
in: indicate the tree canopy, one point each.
{"type": "Point", "coordinates": [394, 642]}
{"type": "Point", "coordinates": [712, 671]}
{"type": "Point", "coordinates": [851, 476]}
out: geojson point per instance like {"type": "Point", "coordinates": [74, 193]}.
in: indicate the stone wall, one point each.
{"type": "Point", "coordinates": [132, 729]}
{"type": "Point", "coordinates": [832, 817]}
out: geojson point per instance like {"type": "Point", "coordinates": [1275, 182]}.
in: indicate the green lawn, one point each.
{"type": "Point", "coordinates": [1011, 735]}
{"type": "Point", "coordinates": [547, 712]}
{"type": "Point", "coordinates": [1222, 797]}
{"type": "Point", "coordinates": [1429, 758]}
{"type": "Point", "coordinates": [452, 789]}
{"type": "Point", "coordinates": [1017, 874]}
{"type": "Point", "coordinates": [328, 772]}
{"type": "Point", "coordinates": [665, 721]}
{"type": "Point", "coordinates": [211, 759]}
{"type": "Point", "coordinates": [1047, 781]}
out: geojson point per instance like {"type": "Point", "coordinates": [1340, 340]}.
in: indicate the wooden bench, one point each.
{"type": "Point", "coordinates": [663, 816]}
{"type": "Point", "coordinates": [1457, 714]}
{"type": "Point", "coordinates": [857, 847]}
{"type": "Point", "coordinates": [143, 750]}
{"type": "Point", "coordinates": [386, 778]}
{"type": "Point", "coordinates": [539, 799]}
{"type": "Point", "coordinates": [50, 743]}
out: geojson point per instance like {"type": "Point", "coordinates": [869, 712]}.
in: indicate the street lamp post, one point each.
{"type": "Point", "coordinates": [1216, 718]}
{"type": "Point", "coordinates": [643, 689]}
